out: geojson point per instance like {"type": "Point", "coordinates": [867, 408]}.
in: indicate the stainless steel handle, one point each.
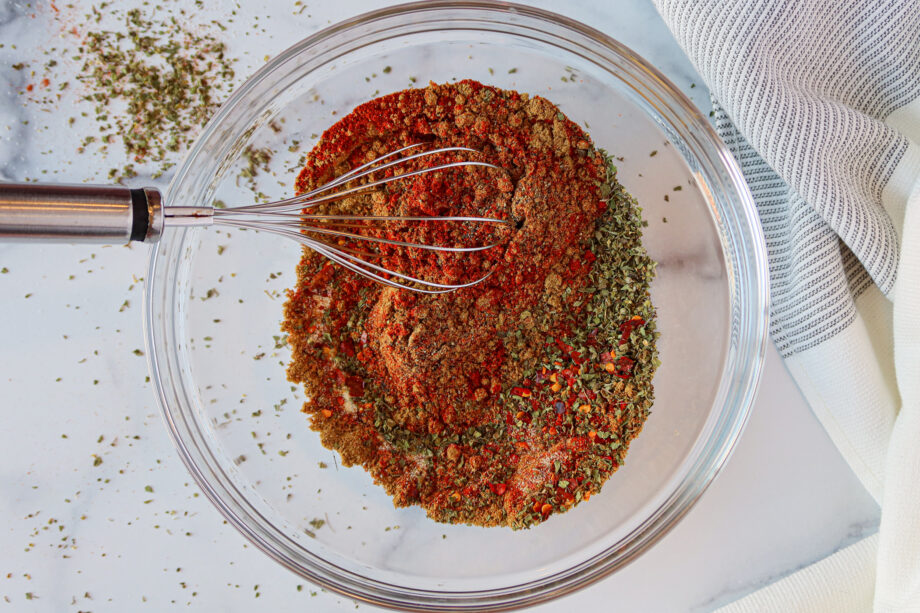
{"type": "Point", "coordinates": [79, 213]}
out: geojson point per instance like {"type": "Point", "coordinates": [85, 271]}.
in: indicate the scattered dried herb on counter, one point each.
{"type": "Point", "coordinates": [169, 78]}
{"type": "Point", "coordinates": [506, 402]}
{"type": "Point", "coordinates": [153, 81]}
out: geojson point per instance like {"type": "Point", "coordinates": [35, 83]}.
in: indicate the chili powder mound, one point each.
{"type": "Point", "coordinates": [501, 403]}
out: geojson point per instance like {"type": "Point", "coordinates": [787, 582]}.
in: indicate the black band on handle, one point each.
{"type": "Point", "coordinates": [140, 218]}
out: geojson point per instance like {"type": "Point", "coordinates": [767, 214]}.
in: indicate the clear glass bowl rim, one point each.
{"type": "Point", "coordinates": [749, 334]}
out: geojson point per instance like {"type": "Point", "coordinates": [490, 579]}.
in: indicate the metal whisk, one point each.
{"type": "Point", "coordinates": [106, 214]}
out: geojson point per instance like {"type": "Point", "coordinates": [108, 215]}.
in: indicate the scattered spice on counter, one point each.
{"type": "Point", "coordinates": [153, 81]}
{"type": "Point", "coordinates": [317, 523]}
{"type": "Point", "coordinates": [169, 78]}
{"type": "Point", "coordinates": [506, 402]}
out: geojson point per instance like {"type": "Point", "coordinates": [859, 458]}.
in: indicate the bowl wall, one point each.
{"type": "Point", "coordinates": [215, 304]}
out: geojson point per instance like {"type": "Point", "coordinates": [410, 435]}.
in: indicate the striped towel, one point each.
{"type": "Point", "coordinates": [819, 101]}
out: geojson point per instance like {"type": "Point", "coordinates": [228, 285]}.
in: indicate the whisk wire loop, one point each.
{"type": "Point", "coordinates": [288, 218]}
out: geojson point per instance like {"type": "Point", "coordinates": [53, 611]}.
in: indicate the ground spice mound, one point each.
{"type": "Point", "coordinates": [502, 403]}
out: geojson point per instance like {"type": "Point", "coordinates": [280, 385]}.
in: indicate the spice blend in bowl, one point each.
{"type": "Point", "coordinates": [501, 403]}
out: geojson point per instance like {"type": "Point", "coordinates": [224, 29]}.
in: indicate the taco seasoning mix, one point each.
{"type": "Point", "coordinates": [502, 403]}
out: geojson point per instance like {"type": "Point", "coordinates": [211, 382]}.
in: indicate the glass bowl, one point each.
{"type": "Point", "coordinates": [214, 306]}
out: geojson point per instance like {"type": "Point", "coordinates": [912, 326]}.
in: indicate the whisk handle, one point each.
{"type": "Point", "coordinates": [79, 213]}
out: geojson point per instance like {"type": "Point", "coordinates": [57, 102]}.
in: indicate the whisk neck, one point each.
{"type": "Point", "coordinates": [188, 215]}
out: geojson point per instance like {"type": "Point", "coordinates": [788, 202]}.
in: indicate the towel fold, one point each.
{"type": "Point", "coordinates": [820, 104]}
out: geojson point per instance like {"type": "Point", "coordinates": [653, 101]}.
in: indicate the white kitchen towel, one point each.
{"type": "Point", "coordinates": [820, 103]}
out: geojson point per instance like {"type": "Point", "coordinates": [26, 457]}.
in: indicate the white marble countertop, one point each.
{"type": "Point", "coordinates": [132, 532]}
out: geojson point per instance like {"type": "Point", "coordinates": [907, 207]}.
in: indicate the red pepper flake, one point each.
{"type": "Point", "coordinates": [628, 326]}
{"type": "Point", "coordinates": [355, 386]}
{"type": "Point", "coordinates": [522, 392]}
{"type": "Point", "coordinates": [624, 367]}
